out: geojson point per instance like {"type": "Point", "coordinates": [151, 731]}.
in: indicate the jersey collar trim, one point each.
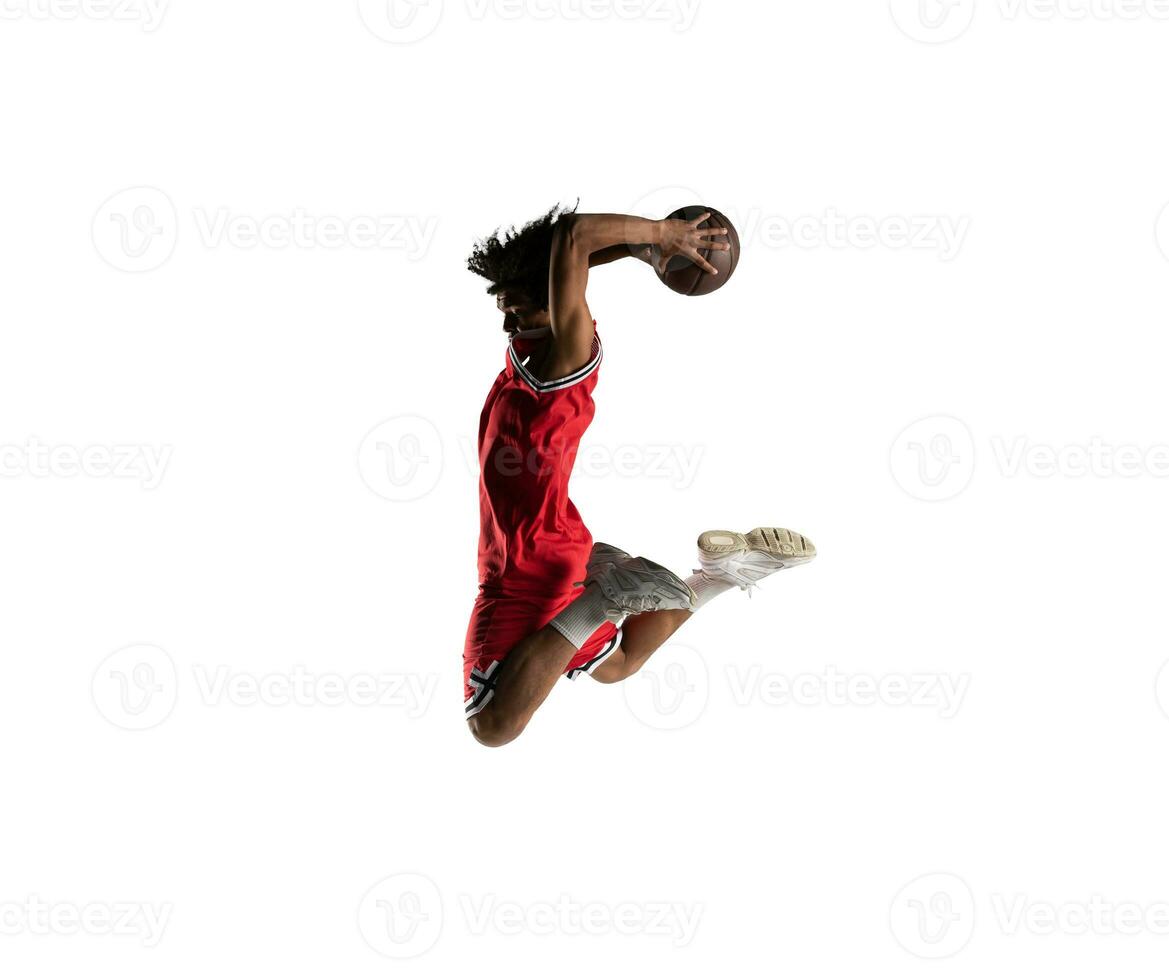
{"type": "Point", "coordinates": [557, 383]}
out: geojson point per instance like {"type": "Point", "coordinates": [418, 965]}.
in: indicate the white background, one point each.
{"type": "Point", "coordinates": [790, 824]}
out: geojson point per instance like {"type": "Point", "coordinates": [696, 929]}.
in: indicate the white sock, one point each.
{"type": "Point", "coordinates": [582, 617]}
{"type": "Point", "coordinates": [707, 588]}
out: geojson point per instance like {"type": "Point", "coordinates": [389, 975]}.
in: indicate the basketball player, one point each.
{"type": "Point", "coordinates": [549, 600]}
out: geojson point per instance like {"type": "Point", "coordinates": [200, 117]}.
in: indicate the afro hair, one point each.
{"type": "Point", "coordinates": [519, 258]}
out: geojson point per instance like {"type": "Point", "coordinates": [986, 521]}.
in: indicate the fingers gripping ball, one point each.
{"type": "Point", "coordinates": [685, 266]}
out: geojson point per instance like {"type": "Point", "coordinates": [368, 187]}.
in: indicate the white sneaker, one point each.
{"type": "Point", "coordinates": [744, 559]}
{"type": "Point", "coordinates": [635, 585]}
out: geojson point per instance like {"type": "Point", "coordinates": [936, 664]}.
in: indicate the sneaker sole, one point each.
{"type": "Point", "coordinates": [788, 546]}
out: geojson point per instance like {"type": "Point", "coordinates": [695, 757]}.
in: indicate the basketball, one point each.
{"type": "Point", "coordinates": [682, 275]}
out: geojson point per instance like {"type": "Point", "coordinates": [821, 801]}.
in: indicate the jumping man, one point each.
{"type": "Point", "coordinates": [550, 601]}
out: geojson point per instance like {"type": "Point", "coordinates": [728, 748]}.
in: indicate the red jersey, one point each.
{"type": "Point", "coordinates": [533, 545]}
{"type": "Point", "coordinates": [532, 541]}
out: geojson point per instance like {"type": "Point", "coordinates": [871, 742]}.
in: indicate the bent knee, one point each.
{"type": "Point", "coordinates": [493, 729]}
{"type": "Point", "coordinates": [616, 669]}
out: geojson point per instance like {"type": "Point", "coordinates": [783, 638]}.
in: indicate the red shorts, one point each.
{"type": "Point", "coordinates": [499, 623]}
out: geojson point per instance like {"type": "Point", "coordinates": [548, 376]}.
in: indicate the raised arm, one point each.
{"type": "Point", "coordinates": [642, 251]}
{"type": "Point", "coordinates": [575, 240]}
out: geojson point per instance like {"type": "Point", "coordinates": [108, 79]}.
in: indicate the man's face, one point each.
{"type": "Point", "coordinates": [519, 312]}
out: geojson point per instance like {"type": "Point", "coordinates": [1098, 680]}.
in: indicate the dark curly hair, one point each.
{"type": "Point", "coordinates": [519, 258]}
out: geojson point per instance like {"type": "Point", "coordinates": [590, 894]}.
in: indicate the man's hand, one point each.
{"type": "Point", "coordinates": [575, 239]}
{"type": "Point", "coordinates": [685, 238]}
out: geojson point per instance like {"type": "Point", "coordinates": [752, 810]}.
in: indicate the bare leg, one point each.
{"type": "Point", "coordinates": [532, 667]}
{"type": "Point", "coordinates": [525, 679]}
{"type": "Point", "coordinates": [640, 637]}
